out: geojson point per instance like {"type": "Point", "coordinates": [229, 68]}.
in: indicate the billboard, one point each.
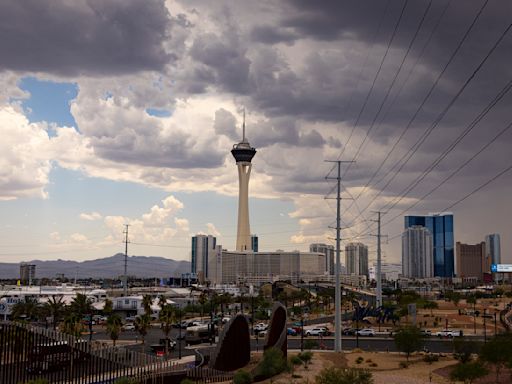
{"type": "Point", "coordinates": [501, 268]}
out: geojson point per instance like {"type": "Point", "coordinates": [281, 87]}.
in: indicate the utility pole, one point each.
{"type": "Point", "coordinates": [378, 275]}
{"type": "Point", "coordinates": [125, 277]}
{"type": "Point", "coordinates": [337, 292]}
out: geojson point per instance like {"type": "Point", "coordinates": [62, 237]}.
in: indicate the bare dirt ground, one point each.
{"type": "Point", "coordinates": [384, 366]}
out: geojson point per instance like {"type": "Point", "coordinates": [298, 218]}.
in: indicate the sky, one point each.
{"type": "Point", "coordinates": [124, 112]}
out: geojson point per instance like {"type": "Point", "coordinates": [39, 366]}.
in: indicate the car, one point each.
{"type": "Point", "coordinates": [349, 331]}
{"type": "Point", "coordinates": [366, 332]}
{"type": "Point", "coordinates": [426, 332]}
{"type": "Point", "coordinates": [326, 331]}
{"type": "Point", "coordinates": [262, 333]}
{"type": "Point", "coordinates": [315, 332]}
{"type": "Point", "coordinates": [260, 327]}
{"type": "Point", "coordinates": [128, 327]}
{"type": "Point", "coordinates": [291, 332]}
{"type": "Point", "coordinates": [448, 333]}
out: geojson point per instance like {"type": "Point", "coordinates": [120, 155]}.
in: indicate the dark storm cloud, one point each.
{"type": "Point", "coordinates": [269, 34]}
{"type": "Point", "coordinates": [83, 36]}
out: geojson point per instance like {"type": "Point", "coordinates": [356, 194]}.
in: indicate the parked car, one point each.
{"type": "Point", "coordinates": [448, 333]}
{"type": "Point", "coordinates": [128, 327]}
{"type": "Point", "coordinates": [315, 332]}
{"type": "Point", "coordinates": [326, 331]}
{"type": "Point", "coordinates": [366, 332]}
{"type": "Point", "coordinates": [426, 332]}
{"type": "Point", "coordinates": [291, 332]}
{"type": "Point", "coordinates": [349, 331]}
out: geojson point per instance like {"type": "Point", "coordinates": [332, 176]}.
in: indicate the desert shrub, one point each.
{"type": "Point", "coordinates": [272, 364]}
{"type": "Point", "coordinates": [127, 380]}
{"type": "Point", "coordinates": [374, 365]}
{"type": "Point", "coordinates": [468, 372]}
{"type": "Point", "coordinates": [359, 360]}
{"type": "Point", "coordinates": [305, 357]}
{"type": "Point", "coordinates": [404, 364]}
{"type": "Point", "coordinates": [295, 360]}
{"type": "Point", "coordinates": [242, 377]}
{"type": "Point", "coordinates": [430, 358]}
{"type": "Point", "coordinates": [333, 375]}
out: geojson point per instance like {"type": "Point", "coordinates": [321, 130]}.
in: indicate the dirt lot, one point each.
{"type": "Point", "coordinates": [384, 366]}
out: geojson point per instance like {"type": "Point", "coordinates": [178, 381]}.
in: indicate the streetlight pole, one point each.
{"type": "Point", "coordinates": [179, 337]}
{"type": "Point", "coordinates": [485, 329]}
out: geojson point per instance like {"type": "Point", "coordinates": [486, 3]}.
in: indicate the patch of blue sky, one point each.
{"type": "Point", "coordinates": [158, 112]}
{"type": "Point", "coordinates": [49, 101]}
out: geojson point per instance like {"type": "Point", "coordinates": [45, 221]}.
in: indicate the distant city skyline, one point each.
{"type": "Point", "coordinates": [106, 122]}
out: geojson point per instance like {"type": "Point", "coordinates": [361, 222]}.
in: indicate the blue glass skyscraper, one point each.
{"type": "Point", "coordinates": [441, 227]}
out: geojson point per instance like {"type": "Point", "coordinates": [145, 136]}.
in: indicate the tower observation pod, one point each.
{"type": "Point", "coordinates": [243, 154]}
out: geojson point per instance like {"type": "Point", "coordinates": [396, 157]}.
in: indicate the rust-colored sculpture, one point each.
{"type": "Point", "coordinates": [234, 348]}
{"type": "Point", "coordinates": [277, 336]}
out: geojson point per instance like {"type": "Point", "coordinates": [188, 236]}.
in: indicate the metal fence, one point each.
{"type": "Point", "coordinates": [28, 352]}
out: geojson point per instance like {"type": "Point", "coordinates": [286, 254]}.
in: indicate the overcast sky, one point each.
{"type": "Point", "coordinates": [124, 112]}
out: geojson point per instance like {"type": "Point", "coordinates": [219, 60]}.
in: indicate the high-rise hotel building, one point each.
{"type": "Point", "coordinates": [440, 226]}
{"type": "Point", "coordinates": [356, 259]}
{"type": "Point", "coordinates": [417, 261]}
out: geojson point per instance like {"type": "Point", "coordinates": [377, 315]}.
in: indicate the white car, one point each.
{"type": "Point", "coordinates": [260, 327]}
{"type": "Point", "coordinates": [366, 332]}
{"type": "Point", "coordinates": [315, 332]}
{"type": "Point", "coordinates": [448, 333]}
{"type": "Point", "coordinates": [128, 327]}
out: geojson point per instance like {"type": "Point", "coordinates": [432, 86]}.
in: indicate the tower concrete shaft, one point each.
{"type": "Point", "coordinates": [243, 237]}
{"type": "Point", "coordinates": [243, 154]}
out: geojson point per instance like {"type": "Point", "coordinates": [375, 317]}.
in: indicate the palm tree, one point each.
{"type": "Point", "coordinates": [54, 307]}
{"type": "Point", "coordinates": [147, 301]}
{"type": "Point", "coordinates": [27, 309]}
{"type": "Point", "coordinates": [114, 327]}
{"type": "Point", "coordinates": [142, 324]}
{"type": "Point", "coordinates": [162, 301]}
{"type": "Point", "coordinates": [81, 305]}
{"type": "Point", "coordinates": [73, 324]}
{"type": "Point", "coordinates": [203, 299]}
{"type": "Point", "coordinates": [108, 308]}
{"type": "Point", "coordinates": [167, 316]}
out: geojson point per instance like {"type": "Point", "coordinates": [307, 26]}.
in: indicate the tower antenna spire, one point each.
{"type": "Point", "coordinates": [243, 128]}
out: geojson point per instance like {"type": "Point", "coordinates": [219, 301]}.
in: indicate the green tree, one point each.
{"type": "Point", "coordinates": [463, 349]}
{"type": "Point", "coordinates": [72, 324]}
{"type": "Point", "coordinates": [114, 324]}
{"type": "Point", "coordinates": [468, 372]}
{"type": "Point", "coordinates": [54, 307]}
{"type": "Point", "coordinates": [334, 375]}
{"type": "Point", "coordinates": [242, 377]}
{"type": "Point", "coordinates": [498, 351]}
{"type": "Point", "coordinates": [108, 308]}
{"type": "Point", "coordinates": [147, 301]}
{"type": "Point", "coordinates": [167, 317]}
{"type": "Point", "coordinates": [273, 363]}
{"type": "Point", "coordinates": [81, 305]}
{"type": "Point", "coordinates": [26, 309]}
{"type": "Point", "coordinates": [430, 305]}
{"type": "Point", "coordinates": [408, 339]}
{"type": "Point", "coordinates": [142, 324]}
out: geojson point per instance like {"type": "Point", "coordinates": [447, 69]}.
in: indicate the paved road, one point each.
{"type": "Point", "coordinates": [376, 343]}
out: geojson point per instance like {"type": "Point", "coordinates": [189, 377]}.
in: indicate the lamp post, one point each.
{"type": "Point", "coordinates": [179, 337]}
{"type": "Point", "coordinates": [485, 329]}
{"type": "Point", "coordinates": [301, 333]}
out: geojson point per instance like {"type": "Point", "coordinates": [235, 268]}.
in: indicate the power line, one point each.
{"type": "Point", "coordinates": [420, 141]}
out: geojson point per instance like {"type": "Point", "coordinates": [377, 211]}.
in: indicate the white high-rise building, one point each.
{"type": "Point", "coordinates": [328, 251]}
{"type": "Point", "coordinates": [356, 259]}
{"type": "Point", "coordinates": [243, 154]}
{"type": "Point", "coordinates": [203, 250]}
{"type": "Point", "coordinates": [417, 256]}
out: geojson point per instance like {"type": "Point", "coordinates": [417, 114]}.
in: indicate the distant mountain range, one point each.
{"type": "Point", "coordinates": [109, 267]}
